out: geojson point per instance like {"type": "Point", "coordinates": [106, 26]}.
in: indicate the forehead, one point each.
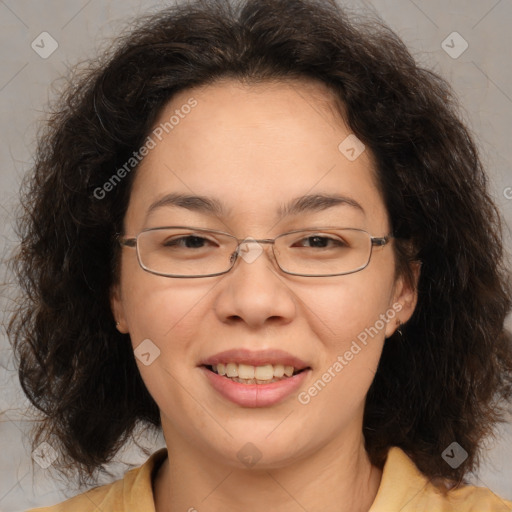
{"type": "Point", "coordinates": [254, 148]}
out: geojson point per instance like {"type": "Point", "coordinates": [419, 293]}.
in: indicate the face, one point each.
{"type": "Point", "coordinates": [254, 149]}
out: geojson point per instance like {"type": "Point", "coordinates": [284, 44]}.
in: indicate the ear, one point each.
{"type": "Point", "coordinates": [405, 298]}
{"type": "Point", "coordinates": [116, 304]}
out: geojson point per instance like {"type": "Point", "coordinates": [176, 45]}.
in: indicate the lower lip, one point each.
{"type": "Point", "coordinates": [255, 395]}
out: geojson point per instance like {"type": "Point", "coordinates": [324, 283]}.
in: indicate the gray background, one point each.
{"type": "Point", "coordinates": [481, 77]}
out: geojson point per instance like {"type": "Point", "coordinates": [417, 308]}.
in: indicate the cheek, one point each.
{"type": "Point", "coordinates": [163, 310]}
{"type": "Point", "coordinates": [350, 320]}
{"type": "Point", "coordinates": [163, 318]}
{"type": "Point", "coordinates": [341, 311]}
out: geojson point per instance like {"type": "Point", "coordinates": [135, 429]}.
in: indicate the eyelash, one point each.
{"type": "Point", "coordinates": [176, 240]}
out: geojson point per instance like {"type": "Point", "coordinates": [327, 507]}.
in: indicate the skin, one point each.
{"type": "Point", "coordinates": [254, 147]}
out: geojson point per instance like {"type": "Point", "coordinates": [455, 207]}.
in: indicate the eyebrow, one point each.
{"type": "Point", "coordinates": [212, 206]}
{"type": "Point", "coordinates": [316, 203]}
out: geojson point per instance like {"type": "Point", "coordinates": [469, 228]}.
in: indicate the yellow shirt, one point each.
{"type": "Point", "coordinates": [402, 489]}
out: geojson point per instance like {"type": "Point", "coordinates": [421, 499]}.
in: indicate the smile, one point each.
{"type": "Point", "coordinates": [248, 374]}
{"type": "Point", "coordinates": [255, 392]}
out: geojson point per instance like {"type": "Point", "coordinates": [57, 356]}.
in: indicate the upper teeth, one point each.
{"type": "Point", "coordinates": [246, 371]}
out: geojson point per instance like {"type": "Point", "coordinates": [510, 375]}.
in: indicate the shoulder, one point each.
{"type": "Point", "coordinates": [131, 494]}
{"type": "Point", "coordinates": [478, 499]}
{"type": "Point", "coordinates": [95, 499]}
{"type": "Point", "coordinates": [464, 499]}
{"type": "Point", "coordinates": [403, 487]}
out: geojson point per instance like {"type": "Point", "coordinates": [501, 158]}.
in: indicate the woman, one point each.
{"type": "Point", "coordinates": [263, 229]}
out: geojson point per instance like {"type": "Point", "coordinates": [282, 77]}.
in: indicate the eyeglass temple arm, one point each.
{"type": "Point", "coordinates": [379, 241]}
{"type": "Point", "coordinates": [127, 242]}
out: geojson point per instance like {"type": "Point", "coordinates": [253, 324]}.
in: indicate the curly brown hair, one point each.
{"type": "Point", "coordinates": [448, 378]}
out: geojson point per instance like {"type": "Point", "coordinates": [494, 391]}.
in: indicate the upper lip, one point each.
{"type": "Point", "coordinates": [255, 358]}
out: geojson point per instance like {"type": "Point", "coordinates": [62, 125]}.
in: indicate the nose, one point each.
{"type": "Point", "coordinates": [255, 291]}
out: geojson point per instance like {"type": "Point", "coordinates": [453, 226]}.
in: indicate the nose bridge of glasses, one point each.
{"type": "Point", "coordinates": [250, 248]}
{"type": "Point", "coordinates": [257, 241]}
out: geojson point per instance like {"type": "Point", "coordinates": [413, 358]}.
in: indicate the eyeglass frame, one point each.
{"type": "Point", "coordinates": [133, 243]}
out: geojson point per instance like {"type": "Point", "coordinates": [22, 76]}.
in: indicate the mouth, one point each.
{"type": "Point", "coordinates": [262, 378]}
{"type": "Point", "coordinates": [248, 374]}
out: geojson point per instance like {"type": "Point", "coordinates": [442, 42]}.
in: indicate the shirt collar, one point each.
{"type": "Point", "coordinates": [400, 484]}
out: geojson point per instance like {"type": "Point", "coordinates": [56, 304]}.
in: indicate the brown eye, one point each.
{"type": "Point", "coordinates": [321, 242]}
{"type": "Point", "coordinates": [188, 242]}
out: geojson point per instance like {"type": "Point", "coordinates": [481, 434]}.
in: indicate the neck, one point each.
{"type": "Point", "coordinates": [338, 477]}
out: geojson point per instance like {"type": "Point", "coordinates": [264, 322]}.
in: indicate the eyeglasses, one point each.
{"type": "Point", "coordinates": [180, 251]}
